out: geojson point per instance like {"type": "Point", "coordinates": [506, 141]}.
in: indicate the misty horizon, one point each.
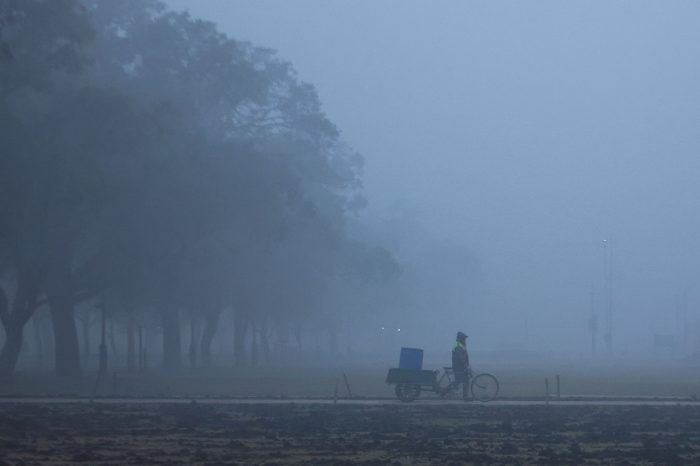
{"type": "Point", "coordinates": [523, 134]}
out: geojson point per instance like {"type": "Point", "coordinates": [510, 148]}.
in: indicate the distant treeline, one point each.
{"type": "Point", "coordinates": [158, 169]}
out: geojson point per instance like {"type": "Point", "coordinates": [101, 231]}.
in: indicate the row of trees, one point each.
{"type": "Point", "coordinates": [154, 165]}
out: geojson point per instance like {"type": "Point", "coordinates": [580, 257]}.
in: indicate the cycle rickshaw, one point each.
{"type": "Point", "coordinates": [410, 383]}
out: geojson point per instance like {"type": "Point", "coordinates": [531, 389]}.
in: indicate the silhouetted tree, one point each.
{"type": "Point", "coordinates": [177, 172]}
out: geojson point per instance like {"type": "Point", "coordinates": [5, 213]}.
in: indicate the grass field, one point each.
{"type": "Point", "coordinates": [371, 434]}
{"type": "Point", "coordinates": [518, 381]}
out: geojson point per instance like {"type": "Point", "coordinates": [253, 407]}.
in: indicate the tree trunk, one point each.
{"type": "Point", "coordinates": [48, 337]}
{"type": "Point", "coordinates": [265, 340]}
{"type": "Point", "coordinates": [112, 342]}
{"type": "Point", "coordinates": [172, 352]}
{"type": "Point", "coordinates": [14, 320]}
{"type": "Point", "coordinates": [10, 350]}
{"type": "Point", "coordinates": [239, 331]}
{"type": "Point", "coordinates": [193, 343]}
{"type": "Point", "coordinates": [131, 343]}
{"type": "Point", "coordinates": [4, 318]}
{"type": "Point", "coordinates": [38, 341]}
{"type": "Point", "coordinates": [254, 344]}
{"type": "Point", "coordinates": [210, 323]}
{"type": "Point", "coordinates": [282, 347]}
{"type": "Point", "coordinates": [85, 323]}
{"type": "Point", "coordinates": [60, 295]}
{"type": "Point", "coordinates": [66, 348]}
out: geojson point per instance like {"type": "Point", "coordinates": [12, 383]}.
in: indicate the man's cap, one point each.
{"type": "Point", "coordinates": [461, 336]}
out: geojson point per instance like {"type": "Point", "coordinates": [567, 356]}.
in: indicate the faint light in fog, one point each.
{"type": "Point", "coordinates": [398, 329]}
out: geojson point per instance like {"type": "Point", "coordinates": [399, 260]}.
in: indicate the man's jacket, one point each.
{"type": "Point", "coordinates": [460, 358]}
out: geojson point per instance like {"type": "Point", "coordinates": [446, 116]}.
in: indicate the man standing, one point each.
{"type": "Point", "coordinates": [460, 364]}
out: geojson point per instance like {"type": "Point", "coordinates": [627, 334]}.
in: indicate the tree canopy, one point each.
{"type": "Point", "coordinates": [151, 161]}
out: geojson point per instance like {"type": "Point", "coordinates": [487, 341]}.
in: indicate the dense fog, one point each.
{"type": "Point", "coordinates": [321, 180]}
{"type": "Point", "coordinates": [521, 134]}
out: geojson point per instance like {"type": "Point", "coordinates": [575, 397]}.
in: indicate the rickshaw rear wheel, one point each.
{"type": "Point", "coordinates": [407, 392]}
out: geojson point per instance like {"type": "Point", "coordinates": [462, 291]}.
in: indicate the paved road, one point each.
{"type": "Point", "coordinates": [427, 402]}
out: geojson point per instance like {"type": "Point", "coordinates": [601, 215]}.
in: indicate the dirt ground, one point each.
{"type": "Point", "coordinates": [289, 433]}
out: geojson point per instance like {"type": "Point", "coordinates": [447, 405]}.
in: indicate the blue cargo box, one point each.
{"type": "Point", "coordinates": [411, 358]}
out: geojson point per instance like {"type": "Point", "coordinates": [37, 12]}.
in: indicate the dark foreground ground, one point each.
{"type": "Point", "coordinates": [197, 433]}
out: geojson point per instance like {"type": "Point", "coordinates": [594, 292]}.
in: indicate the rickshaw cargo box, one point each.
{"type": "Point", "coordinates": [411, 358]}
{"type": "Point", "coordinates": [409, 376]}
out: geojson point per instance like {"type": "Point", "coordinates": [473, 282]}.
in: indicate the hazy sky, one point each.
{"type": "Point", "coordinates": [525, 131]}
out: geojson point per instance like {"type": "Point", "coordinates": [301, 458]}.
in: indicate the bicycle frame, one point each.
{"type": "Point", "coordinates": [448, 373]}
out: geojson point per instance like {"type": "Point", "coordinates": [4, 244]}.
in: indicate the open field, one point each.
{"type": "Point", "coordinates": [517, 381]}
{"type": "Point", "coordinates": [279, 431]}
{"type": "Point", "coordinates": [290, 433]}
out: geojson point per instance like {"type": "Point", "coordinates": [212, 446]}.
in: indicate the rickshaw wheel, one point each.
{"type": "Point", "coordinates": [484, 387]}
{"type": "Point", "coordinates": [407, 392]}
